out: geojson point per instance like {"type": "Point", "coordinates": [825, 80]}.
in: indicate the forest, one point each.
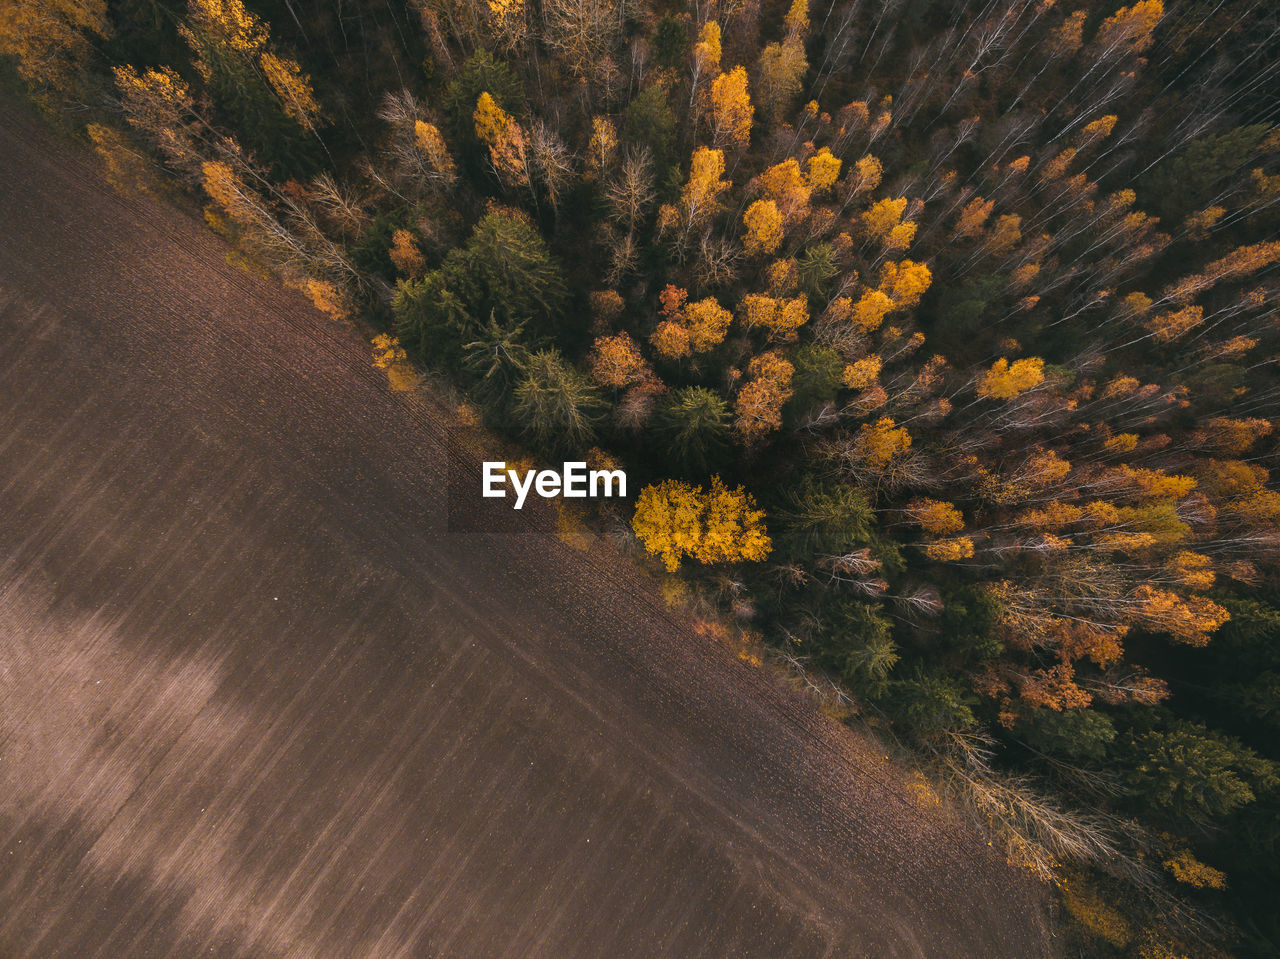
{"type": "Point", "coordinates": [938, 336]}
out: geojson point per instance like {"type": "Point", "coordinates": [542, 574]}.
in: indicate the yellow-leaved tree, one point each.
{"type": "Point", "coordinates": [1006, 380]}
{"type": "Point", "coordinates": [764, 228]}
{"type": "Point", "coordinates": [780, 316]}
{"type": "Point", "coordinates": [731, 108]}
{"type": "Point", "coordinates": [823, 170]}
{"type": "Point", "coordinates": [675, 520]}
{"type": "Point", "coordinates": [505, 138]}
{"type": "Point", "coordinates": [760, 401]}
{"type": "Point", "coordinates": [293, 87]}
{"type": "Point", "coordinates": [51, 38]}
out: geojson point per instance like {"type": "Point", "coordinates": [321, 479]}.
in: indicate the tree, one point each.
{"type": "Point", "coordinates": [949, 550]}
{"type": "Point", "coordinates": [700, 197]}
{"type": "Point", "coordinates": [556, 405]}
{"type": "Point", "coordinates": [51, 39]}
{"type": "Point", "coordinates": [616, 361]}
{"type": "Point", "coordinates": [780, 316]}
{"type": "Point", "coordinates": [160, 105]}
{"type": "Point", "coordinates": [816, 268]}
{"type": "Point", "coordinates": [881, 442]}
{"type": "Point", "coordinates": [1006, 380]}
{"type": "Point", "coordinates": [631, 193]}
{"type": "Point", "coordinates": [882, 217]}
{"type": "Point", "coordinates": [782, 70]}
{"type": "Point", "coordinates": [706, 52]}
{"type": "Point", "coordinates": [815, 383]}
{"type": "Point", "coordinates": [863, 178]}
{"type": "Point", "coordinates": [862, 374]}
{"type": "Point", "coordinates": [506, 268]}
{"type": "Point", "coordinates": [764, 228]}
{"type": "Point", "coordinates": [503, 271]}
{"type": "Point", "coordinates": [496, 360]}
{"type": "Point", "coordinates": [758, 407]}
{"type": "Point", "coordinates": [973, 217]}
{"type": "Point", "coordinates": [508, 150]}
{"type": "Point", "coordinates": [785, 184]}
{"type": "Point", "coordinates": [406, 256]}
{"type": "Point", "coordinates": [692, 424]}
{"type": "Point", "coordinates": [1074, 733]}
{"type": "Point", "coordinates": [671, 340]}
{"type": "Point", "coordinates": [1130, 28]}
{"type": "Point", "coordinates": [823, 170]}
{"type": "Point", "coordinates": [583, 34]}
{"type": "Point", "coordinates": [707, 322]}
{"type": "Point", "coordinates": [936, 517]}
{"type": "Point", "coordinates": [731, 109]}
{"type": "Point", "coordinates": [930, 705]}
{"type": "Point", "coordinates": [870, 310]}
{"type": "Point", "coordinates": [674, 520]}
{"type": "Point", "coordinates": [293, 88]}
{"type": "Point", "coordinates": [1188, 771]}
{"type": "Point", "coordinates": [905, 283]}
{"type": "Point", "coordinates": [1167, 327]}
{"type": "Point", "coordinates": [823, 519]}
{"type": "Point", "coordinates": [602, 147]}
{"type": "Point", "coordinates": [651, 123]}
{"type": "Point", "coordinates": [430, 143]}
{"type": "Point", "coordinates": [480, 74]}
{"type": "Point", "coordinates": [1186, 868]}
{"type": "Point", "coordinates": [264, 96]}
{"type": "Point", "coordinates": [858, 644]}
{"type": "Point", "coordinates": [509, 22]}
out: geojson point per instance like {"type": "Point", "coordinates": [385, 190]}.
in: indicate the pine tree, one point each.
{"type": "Point", "coordinates": [692, 423]}
{"type": "Point", "coordinates": [555, 404]}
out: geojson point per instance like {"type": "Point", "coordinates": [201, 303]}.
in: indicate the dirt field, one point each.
{"type": "Point", "coordinates": [256, 701]}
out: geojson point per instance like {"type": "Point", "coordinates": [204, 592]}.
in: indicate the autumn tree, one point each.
{"type": "Point", "coordinates": [1006, 380]}
{"type": "Point", "coordinates": [780, 316]}
{"type": "Point", "coordinates": [52, 39]}
{"type": "Point", "coordinates": [159, 104]}
{"type": "Point", "coordinates": [731, 107]}
{"type": "Point", "coordinates": [259, 90]}
{"type": "Point", "coordinates": [823, 170]}
{"type": "Point", "coordinates": [700, 198]}
{"type": "Point", "coordinates": [764, 228]}
{"type": "Point", "coordinates": [905, 282]}
{"type": "Point", "coordinates": [505, 138]}
{"type": "Point", "coordinates": [785, 184]}
{"type": "Point", "coordinates": [758, 408]}
{"type": "Point", "coordinates": [707, 322]}
{"type": "Point", "coordinates": [879, 443]}
{"type": "Point", "coordinates": [616, 361]}
{"type": "Point", "coordinates": [782, 69]}
{"type": "Point", "coordinates": [404, 253]}
{"type": "Point", "coordinates": [1130, 29]}
{"type": "Point", "coordinates": [675, 520]}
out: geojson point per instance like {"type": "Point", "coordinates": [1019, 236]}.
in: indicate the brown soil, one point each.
{"type": "Point", "coordinates": [256, 700]}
